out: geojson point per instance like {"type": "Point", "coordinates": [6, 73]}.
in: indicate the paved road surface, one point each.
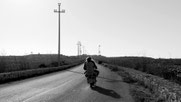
{"type": "Point", "coordinates": [67, 86]}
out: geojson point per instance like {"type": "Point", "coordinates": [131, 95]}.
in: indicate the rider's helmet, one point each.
{"type": "Point", "coordinates": [88, 59]}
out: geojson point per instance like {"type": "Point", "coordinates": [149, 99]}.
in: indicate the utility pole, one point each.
{"type": "Point", "coordinates": [58, 11]}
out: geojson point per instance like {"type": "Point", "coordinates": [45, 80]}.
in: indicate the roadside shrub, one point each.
{"type": "Point", "coordinates": [99, 62]}
{"type": "Point", "coordinates": [161, 90]}
{"type": "Point", "coordinates": [114, 69]}
{"type": "Point", "coordinates": [54, 64]}
{"type": "Point", "coordinates": [34, 61]}
{"type": "Point", "coordinates": [3, 64]}
{"type": "Point", "coordinates": [18, 75]}
{"type": "Point", "coordinates": [42, 66]}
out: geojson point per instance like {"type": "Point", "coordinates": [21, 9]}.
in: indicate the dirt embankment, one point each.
{"type": "Point", "coordinates": [148, 88]}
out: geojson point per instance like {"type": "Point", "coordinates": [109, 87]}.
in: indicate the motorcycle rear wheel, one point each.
{"type": "Point", "coordinates": [92, 85]}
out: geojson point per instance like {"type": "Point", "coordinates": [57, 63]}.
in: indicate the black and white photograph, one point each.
{"type": "Point", "coordinates": [90, 51]}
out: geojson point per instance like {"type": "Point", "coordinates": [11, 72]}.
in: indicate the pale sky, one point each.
{"type": "Point", "coordinates": [122, 27]}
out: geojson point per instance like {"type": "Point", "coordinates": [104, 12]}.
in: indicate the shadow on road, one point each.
{"type": "Point", "coordinates": [107, 92]}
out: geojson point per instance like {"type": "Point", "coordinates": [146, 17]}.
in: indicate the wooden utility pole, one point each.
{"type": "Point", "coordinates": [58, 11]}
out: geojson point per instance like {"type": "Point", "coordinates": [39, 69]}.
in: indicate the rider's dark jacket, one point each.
{"type": "Point", "coordinates": [90, 66]}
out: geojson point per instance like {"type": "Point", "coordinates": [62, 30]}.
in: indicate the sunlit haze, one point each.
{"type": "Point", "coordinates": [122, 27]}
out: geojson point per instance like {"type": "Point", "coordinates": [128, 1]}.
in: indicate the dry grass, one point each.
{"type": "Point", "coordinates": [21, 67]}
{"type": "Point", "coordinates": [19, 63]}
{"type": "Point", "coordinates": [169, 69]}
{"type": "Point", "coordinates": [150, 88]}
{"type": "Point", "coordinates": [19, 75]}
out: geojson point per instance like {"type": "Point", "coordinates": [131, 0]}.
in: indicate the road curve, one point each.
{"type": "Point", "coordinates": [67, 86]}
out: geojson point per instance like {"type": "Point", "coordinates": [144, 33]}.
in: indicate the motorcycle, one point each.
{"type": "Point", "coordinates": [91, 79]}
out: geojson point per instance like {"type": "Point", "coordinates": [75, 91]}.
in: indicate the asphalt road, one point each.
{"type": "Point", "coordinates": [67, 86]}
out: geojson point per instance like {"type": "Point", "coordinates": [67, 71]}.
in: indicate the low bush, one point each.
{"type": "Point", "coordinates": [99, 62]}
{"type": "Point", "coordinates": [169, 69]}
{"type": "Point", "coordinates": [113, 68]}
{"type": "Point", "coordinates": [18, 75]}
{"type": "Point", "coordinates": [35, 61]}
{"type": "Point", "coordinates": [161, 90]}
{"type": "Point", "coordinates": [42, 66]}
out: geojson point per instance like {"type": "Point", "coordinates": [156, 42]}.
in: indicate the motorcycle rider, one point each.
{"type": "Point", "coordinates": [90, 67]}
